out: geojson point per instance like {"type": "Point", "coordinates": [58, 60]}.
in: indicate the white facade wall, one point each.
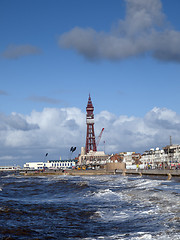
{"type": "Point", "coordinates": [61, 164]}
{"type": "Point", "coordinates": [34, 165]}
{"type": "Point", "coordinates": [128, 159]}
{"type": "Point", "coordinates": [157, 157]}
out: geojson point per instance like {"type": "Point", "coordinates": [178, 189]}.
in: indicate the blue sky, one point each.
{"type": "Point", "coordinates": [125, 53]}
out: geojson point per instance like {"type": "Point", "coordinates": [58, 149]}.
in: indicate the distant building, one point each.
{"type": "Point", "coordinates": [127, 158]}
{"type": "Point", "coordinates": [116, 158]}
{"type": "Point", "coordinates": [168, 157]}
{"type": "Point", "coordinates": [51, 164]}
{"type": "Point", "coordinates": [92, 158]}
{"type": "Point", "coordinates": [130, 159]}
{"type": "Point", "coordinates": [9, 168]}
{"type": "Point", "coordinates": [153, 158]}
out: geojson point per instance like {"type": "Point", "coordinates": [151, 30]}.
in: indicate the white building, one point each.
{"type": "Point", "coordinates": [131, 159]}
{"type": "Point", "coordinates": [169, 156]}
{"type": "Point", "coordinates": [9, 168]}
{"type": "Point", "coordinates": [127, 158]}
{"type": "Point", "coordinates": [51, 164]}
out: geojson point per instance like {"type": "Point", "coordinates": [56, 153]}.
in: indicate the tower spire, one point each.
{"type": "Point", "coordinates": [90, 136]}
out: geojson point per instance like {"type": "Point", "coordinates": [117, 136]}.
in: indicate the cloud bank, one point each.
{"type": "Point", "coordinates": [143, 31]}
{"type": "Point", "coordinates": [18, 51]}
{"type": "Point", "coordinates": [55, 130]}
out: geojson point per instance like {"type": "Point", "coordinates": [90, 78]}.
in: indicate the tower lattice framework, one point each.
{"type": "Point", "coordinates": [90, 136]}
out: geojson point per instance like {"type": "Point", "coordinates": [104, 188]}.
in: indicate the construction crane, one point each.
{"type": "Point", "coordinates": [99, 137]}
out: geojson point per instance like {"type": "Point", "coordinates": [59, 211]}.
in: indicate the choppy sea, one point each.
{"type": "Point", "coordinates": [89, 207]}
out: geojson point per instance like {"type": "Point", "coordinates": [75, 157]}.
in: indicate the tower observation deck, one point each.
{"type": "Point", "coordinates": [90, 136]}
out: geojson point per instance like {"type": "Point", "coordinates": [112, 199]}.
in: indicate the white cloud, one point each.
{"type": "Point", "coordinates": [15, 122]}
{"type": "Point", "coordinates": [144, 30]}
{"type": "Point", "coordinates": [54, 130]}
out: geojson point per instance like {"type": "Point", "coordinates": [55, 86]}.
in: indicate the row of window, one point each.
{"type": "Point", "coordinates": [61, 164]}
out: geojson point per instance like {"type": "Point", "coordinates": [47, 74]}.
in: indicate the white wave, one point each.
{"type": "Point", "coordinates": [144, 237]}
{"type": "Point", "coordinates": [120, 216]}
{"type": "Point", "coordinates": [146, 183]}
{"type": "Point", "coordinates": [104, 192]}
{"type": "Point", "coordinates": [108, 195]}
{"type": "Point", "coordinates": [136, 236]}
{"type": "Point", "coordinates": [7, 176]}
{"type": "Point", "coordinates": [166, 237]}
{"type": "Point", "coordinates": [149, 212]}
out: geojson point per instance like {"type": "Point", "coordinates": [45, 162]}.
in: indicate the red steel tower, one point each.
{"type": "Point", "coordinates": [90, 136]}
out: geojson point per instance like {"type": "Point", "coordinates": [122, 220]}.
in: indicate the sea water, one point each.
{"type": "Point", "coordinates": [89, 207]}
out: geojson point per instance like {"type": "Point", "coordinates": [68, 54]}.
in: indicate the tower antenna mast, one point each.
{"type": "Point", "coordinates": [170, 141]}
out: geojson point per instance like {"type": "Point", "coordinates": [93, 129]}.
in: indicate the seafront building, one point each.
{"type": "Point", "coordinates": [51, 164]}
{"type": "Point", "coordinates": [9, 168]}
{"type": "Point", "coordinates": [97, 158]}
{"type": "Point", "coordinates": [130, 159]}
{"type": "Point", "coordinates": [168, 157]}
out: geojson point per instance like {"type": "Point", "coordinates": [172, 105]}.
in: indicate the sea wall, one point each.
{"type": "Point", "coordinates": [109, 167]}
{"type": "Point", "coordinates": [157, 172]}
{"type": "Point", "coordinates": [74, 172]}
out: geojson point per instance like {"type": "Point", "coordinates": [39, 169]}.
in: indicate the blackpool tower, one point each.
{"type": "Point", "coordinates": [90, 136]}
